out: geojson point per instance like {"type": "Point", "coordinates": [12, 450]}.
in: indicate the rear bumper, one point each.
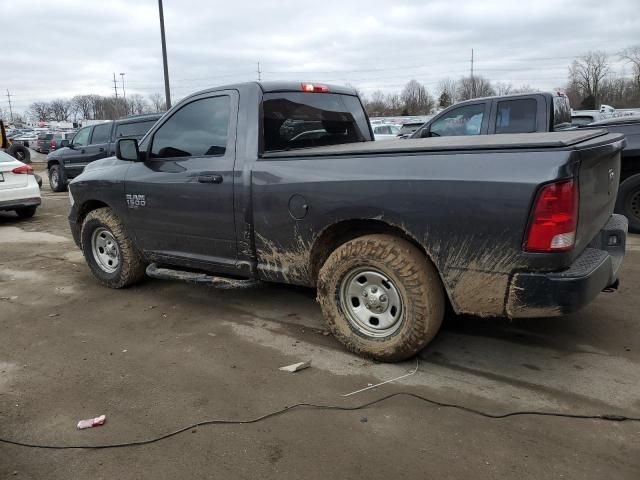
{"type": "Point", "coordinates": [24, 196]}
{"type": "Point", "coordinates": [21, 203]}
{"type": "Point", "coordinates": [560, 293]}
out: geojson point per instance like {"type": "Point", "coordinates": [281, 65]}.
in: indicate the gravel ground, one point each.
{"type": "Point", "coordinates": [163, 355]}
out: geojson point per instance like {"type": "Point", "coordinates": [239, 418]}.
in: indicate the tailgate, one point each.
{"type": "Point", "coordinates": [598, 176]}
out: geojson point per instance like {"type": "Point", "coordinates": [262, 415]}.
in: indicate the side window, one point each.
{"type": "Point", "coordinates": [517, 116]}
{"type": "Point", "coordinates": [197, 129]}
{"type": "Point", "coordinates": [101, 133]}
{"type": "Point", "coordinates": [82, 137]}
{"type": "Point", "coordinates": [466, 120]}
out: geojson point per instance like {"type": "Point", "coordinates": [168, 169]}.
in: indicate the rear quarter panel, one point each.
{"type": "Point", "coordinates": [468, 211]}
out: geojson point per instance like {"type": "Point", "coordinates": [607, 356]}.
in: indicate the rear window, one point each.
{"type": "Point", "coordinates": [517, 116]}
{"type": "Point", "coordinates": [134, 130]}
{"type": "Point", "coordinates": [45, 136]}
{"type": "Point", "coordinates": [300, 120]}
{"type": "Point", "coordinates": [561, 112]}
{"type": "Point", "coordinates": [5, 157]}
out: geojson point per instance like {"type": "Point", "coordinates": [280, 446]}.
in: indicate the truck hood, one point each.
{"type": "Point", "coordinates": [103, 163]}
{"type": "Point", "coordinates": [57, 154]}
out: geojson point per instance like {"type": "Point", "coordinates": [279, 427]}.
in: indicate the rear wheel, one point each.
{"type": "Point", "coordinates": [381, 297]}
{"type": "Point", "coordinates": [628, 202]}
{"type": "Point", "coordinates": [26, 212]}
{"type": "Point", "coordinates": [57, 179]}
{"type": "Point", "coordinates": [109, 251]}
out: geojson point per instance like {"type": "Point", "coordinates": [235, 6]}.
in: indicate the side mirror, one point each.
{"type": "Point", "coordinates": [64, 143]}
{"type": "Point", "coordinates": [127, 149]}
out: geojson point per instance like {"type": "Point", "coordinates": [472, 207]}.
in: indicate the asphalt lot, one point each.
{"type": "Point", "coordinates": [163, 355]}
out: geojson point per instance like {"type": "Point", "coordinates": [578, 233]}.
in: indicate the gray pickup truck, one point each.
{"type": "Point", "coordinates": [224, 188]}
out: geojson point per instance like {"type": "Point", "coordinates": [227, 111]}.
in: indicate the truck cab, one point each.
{"type": "Point", "coordinates": [522, 113]}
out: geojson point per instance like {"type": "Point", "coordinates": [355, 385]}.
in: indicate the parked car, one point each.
{"type": "Point", "coordinates": [25, 138]}
{"type": "Point", "coordinates": [90, 144]}
{"type": "Point", "coordinates": [578, 119]}
{"type": "Point", "coordinates": [19, 190]}
{"type": "Point", "coordinates": [42, 141]}
{"type": "Point", "coordinates": [48, 142]}
{"type": "Point", "coordinates": [388, 232]}
{"type": "Point", "coordinates": [522, 113]}
{"type": "Point", "coordinates": [385, 132]}
{"type": "Point", "coordinates": [409, 128]}
{"type": "Point", "coordinates": [628, 202]}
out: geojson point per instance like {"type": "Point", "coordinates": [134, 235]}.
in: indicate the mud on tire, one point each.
{"type": "Point", "coordinates": [130, 266]}
{"type": "Point", "coordinates": [407, 272]}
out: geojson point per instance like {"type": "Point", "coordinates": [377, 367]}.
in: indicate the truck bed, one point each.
{"type": "Point", "coordinates": [543, 140]}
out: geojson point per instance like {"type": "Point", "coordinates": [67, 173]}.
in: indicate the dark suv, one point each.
{"type": "Point", "coordinates": [93, 143]}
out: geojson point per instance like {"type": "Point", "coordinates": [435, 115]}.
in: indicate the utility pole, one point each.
{"type": "Point", "coordinates": [115, 86]}
{"type": "Point", "coordinates": [259, 72]}
{"type": "Point", "coordinates": [167, 90]}
{"type": "Point", "coordinates": [124, 95]}
{"type": "Point", "coordinates": [10, 108]}
{"type": "Point", "coordinates": [473, 82]}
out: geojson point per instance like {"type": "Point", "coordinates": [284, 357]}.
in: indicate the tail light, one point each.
{"type": "Point", "coordinates": [554, 219]}
{"type": "Point", "coordinates": [311, 88]}
{"type": "Point", "coordinates": [23, 169]}
{"type": "Point", "coordinates": [53, 145]}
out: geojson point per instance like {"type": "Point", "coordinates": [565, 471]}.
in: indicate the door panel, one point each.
{"type": "Point", "coordinates": [75, 159]}
{"type": "Point", "coordinates": [181, 198]}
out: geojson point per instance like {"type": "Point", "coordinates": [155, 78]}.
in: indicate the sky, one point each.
{"type": "Point", "coordinates": [66, 47]}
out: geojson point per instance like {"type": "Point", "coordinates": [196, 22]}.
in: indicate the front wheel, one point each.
{"type": "Point", "coordinates": [381, 297]}
{"type": "Point", "coordinates": [628, 202]}
{"type": "Point", "coordinates": [57, 180]}
{"type": "Point", "coordinates": [109, 251]}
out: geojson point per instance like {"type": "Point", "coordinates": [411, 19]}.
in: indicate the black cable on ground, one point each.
{"type": "Point", "coordinates": [607, 417]}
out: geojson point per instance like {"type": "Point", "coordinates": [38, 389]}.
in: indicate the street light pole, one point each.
{"type": "Point", "coordinates": [124, 96]}
{"type": "Point", "coordinates": [167, 90]}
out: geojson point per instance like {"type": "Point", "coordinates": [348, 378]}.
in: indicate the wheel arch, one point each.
{"type": "Point", "coordinates": [341, 232]}
{"type": "Point", "coordinates": [89, 206]}
{"type": "Point", "coordinates": [53, 162]}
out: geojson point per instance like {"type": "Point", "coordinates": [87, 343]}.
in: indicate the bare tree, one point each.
{"type": "Point", "coordinates": [474, 87]}
{"type": "Point", "coordinates": [632, 56]}
{"type": "Point", "coordinates": [158, 103]}
{"type": "Point", "coordinates": [394, 104]}
{"type": "Point", "coordinates": [501, 88]}
{"type": "Point", "coordinates": [82, 105]}
{"type": "Point", "coordinates": [376, 105]}
{"type": "Point", "coordinates": [588, 73]}
{"type": "Point", "coordinates": [40, 111]}
{"type": "Point", "coordinates": [416, 99]}
{"type": "Point", "coordinates": [137, 104]}
{"type": "Point", "coordinates": [524, 88]}
{"type": "Point", "coordinates": [60, 110]}
{"type": "Point", "coordinates": [446, 92]}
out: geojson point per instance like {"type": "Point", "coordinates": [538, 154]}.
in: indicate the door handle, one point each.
{"type": "Point", "coordinates": [101, 149]}
{"type": "Point", "coordinates": [210, 178]}
{"type": "Point", "coordinates": [82, 151]}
